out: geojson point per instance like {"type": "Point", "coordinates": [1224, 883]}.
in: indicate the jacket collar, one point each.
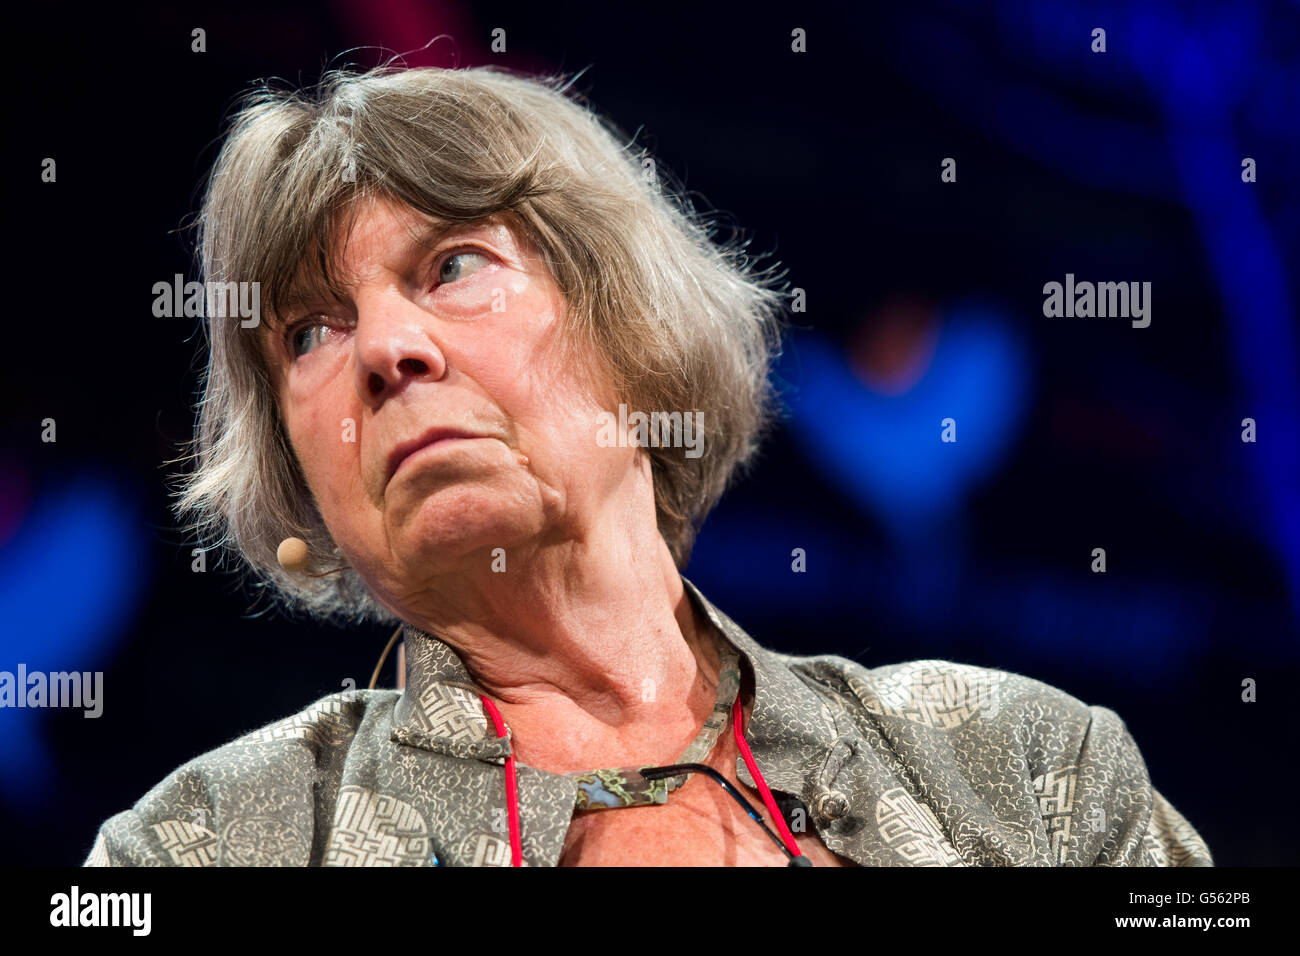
{"type": "Point", "coordinates": [789, 730]}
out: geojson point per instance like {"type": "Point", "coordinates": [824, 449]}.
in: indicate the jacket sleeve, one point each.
{"type": "Point", "coordinates": [246, 804]}
{"type": "Point", "coordinates": [251, 802]}
{"type": "Point", "coordinates": [1125, 820]}
{"type": "Point", "coordinates": [121, 841]}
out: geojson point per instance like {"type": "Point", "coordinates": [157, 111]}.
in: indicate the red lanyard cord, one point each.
{"type": "Point", "coordinates": [737, 726]}
{"type": "Point", "coordinates": [790, 848]}
{"type": "Point", "coordinates": [512, 787]}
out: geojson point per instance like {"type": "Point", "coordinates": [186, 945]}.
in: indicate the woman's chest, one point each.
{"type": "Point", "coordinates": [663, 836]}
{"type": "Point", "coordinates": [700, 825]}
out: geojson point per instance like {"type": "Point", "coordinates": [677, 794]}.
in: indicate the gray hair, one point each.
{"type": "Point", "coordinates": [676, 320]}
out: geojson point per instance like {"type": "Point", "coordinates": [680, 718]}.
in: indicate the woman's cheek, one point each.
{"type": "Point", "coordinates": [473, 299]}
{"type": "Point", "coordinates": [492, 291]}
{"type": "Point", "coordinates": [322, 440]}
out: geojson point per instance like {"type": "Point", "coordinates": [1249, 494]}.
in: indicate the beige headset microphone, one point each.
{"type": "Point", "coordinates": [294, 556]}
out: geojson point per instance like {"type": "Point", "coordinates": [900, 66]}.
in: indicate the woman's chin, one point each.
{"type": "Point", "coordinates": [442, 538]}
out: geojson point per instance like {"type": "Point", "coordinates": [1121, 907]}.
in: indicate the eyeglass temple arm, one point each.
{"type": "Point", "coordinates": [659, 773]}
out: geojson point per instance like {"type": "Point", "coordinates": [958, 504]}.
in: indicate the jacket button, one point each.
{"type": "Point", "coordinates": [831, 805]}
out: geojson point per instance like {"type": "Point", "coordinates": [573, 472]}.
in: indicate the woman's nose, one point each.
{"type": "Point", "coordinates": [394, 344]}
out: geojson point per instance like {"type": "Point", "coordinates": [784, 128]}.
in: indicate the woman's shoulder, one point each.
{"type": "Point", "coordinates": [962, 727]}
{"type": "Point", "coordinates": [980, 721]}
{"type": "Point", "coordinates": [943, 694]}
{"type": "Point", "coordinates": [330, 721]}
{"type": "Point", "coordinates": [234, 803]}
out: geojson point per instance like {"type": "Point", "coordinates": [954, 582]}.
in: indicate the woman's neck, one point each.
{"type": "Point", "coordinates": [591, 662]}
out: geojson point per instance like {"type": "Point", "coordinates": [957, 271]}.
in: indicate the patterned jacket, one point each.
{"type": "Point", "coordinates": [924, 763]}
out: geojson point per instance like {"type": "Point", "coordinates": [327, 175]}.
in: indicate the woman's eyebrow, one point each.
{"type": "Point", "coordinates": [306, 293]}
{"type": "Point", "coordinates": [299, 298]}
{"type": "Point", "coordinates": [435, 230]}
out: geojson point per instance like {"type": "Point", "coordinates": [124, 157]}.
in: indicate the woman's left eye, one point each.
{"type": "Point", "coordinates": [453, 268]}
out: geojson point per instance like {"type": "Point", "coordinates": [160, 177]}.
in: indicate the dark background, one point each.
{"type": "Point", "coordinates": [924, 301]}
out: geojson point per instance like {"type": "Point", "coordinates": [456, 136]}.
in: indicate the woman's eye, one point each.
{"type": "Point", "coordinates": [455, 268]}
{"type": "Point", "coordinates": [306, 337]}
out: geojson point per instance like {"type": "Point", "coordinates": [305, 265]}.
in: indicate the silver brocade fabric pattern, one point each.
{"type": "Point", "coordinates": [924, 763]}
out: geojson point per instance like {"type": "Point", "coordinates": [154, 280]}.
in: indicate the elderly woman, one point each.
{"type": "Point", "coordinates": [468, 281]}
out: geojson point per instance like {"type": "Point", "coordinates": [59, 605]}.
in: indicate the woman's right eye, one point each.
{"type": "Point", "coordinates": [306, 336]}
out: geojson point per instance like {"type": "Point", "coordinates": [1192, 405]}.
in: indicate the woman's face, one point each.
{"type": "Point", "coordinates": [460, 333]}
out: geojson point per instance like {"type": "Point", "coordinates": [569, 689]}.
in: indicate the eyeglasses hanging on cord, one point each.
{"type": "Point", "coordinates": [673, 770]}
